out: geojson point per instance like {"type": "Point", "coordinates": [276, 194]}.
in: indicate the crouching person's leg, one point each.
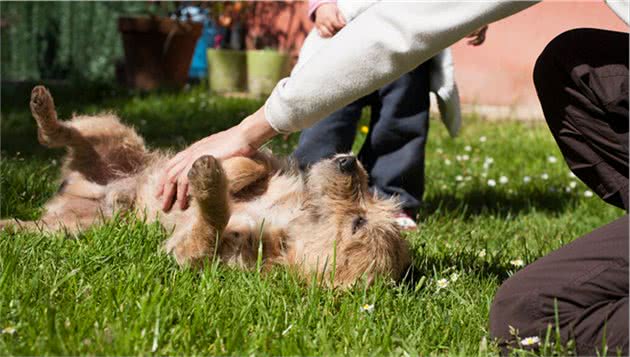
{"type": "Point", "coordinates": [584, 285]}
{"type": "Point", "coordinates": [582, 82]}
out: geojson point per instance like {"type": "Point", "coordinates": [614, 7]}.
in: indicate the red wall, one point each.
{"type": "Point", "coordinates": [498, 73]}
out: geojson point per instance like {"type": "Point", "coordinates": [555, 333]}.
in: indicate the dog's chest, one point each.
{"type": "Point", "coordinates": [277, 207]}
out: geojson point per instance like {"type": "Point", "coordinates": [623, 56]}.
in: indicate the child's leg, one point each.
{"type": "Point", "coordinates": [335, 134]}
{"type": "Point", "coordinates": [393, 152]}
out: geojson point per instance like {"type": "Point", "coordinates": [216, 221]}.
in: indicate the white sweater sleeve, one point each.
{"type": "Point", "coordinates": [378, 46]}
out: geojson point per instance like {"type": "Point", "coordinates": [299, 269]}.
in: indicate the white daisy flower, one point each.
{"type": "Point", "coordinates": [544, 176]}
{"type": "Point", "coordinates": [465, 157]}
{"type": "Point", "coordinates": [530, 341]}
{"type": "Point", "coordinates": [442, 283]}
{"type": "Point", "coordinates": [527, 179]}
{"type": "Point", "coordinates": [454, 277]}
{"type": "Point", "coordinates": [459, 178]}
{"type": "Point", "coordinates": [573, 184]}
{"type": "Point", "coordinates": [9, 330]}
{"type": "Point", "coordinates": [488, 160]}
{"type": "Point", "coordinates": [439, 150]}
{"type": "Point", "coordinates": [447, 162]}
{"type": "Point", "coordinates": [552, 159]}
{"type": "Point", "coordinates": [482, 253]}
{"type": "Point", "coordinates": [588, 193]}
{"type": "Point", "coordinates": [367, 308]}
{"type": "Point", "coordinates": [568, 189]}
{"type": "Point", "coordinates": [503, 180]}
{"type": "Point", "coordinates": [482, 139]}
{"type": "Point", "coordinates": [467, 148]}
{"type": "Point", "coordinates": [492, 183]}
{"type": "Point", "coordinates": [517, 263]}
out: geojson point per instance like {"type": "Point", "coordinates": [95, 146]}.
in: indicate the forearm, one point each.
{"type": "Point", "coordinates": [381, 44]}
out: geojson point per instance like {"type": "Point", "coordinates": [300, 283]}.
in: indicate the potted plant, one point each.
{"type": "Point", "coordinates": [158, 50]}
{"type": "Point", "coordinates": [266, 64]}
{"type": "Point", "coordinates": [226, 58]}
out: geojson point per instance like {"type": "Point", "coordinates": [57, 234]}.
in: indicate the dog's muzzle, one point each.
{"type": "Point", "coordinates": [346, 164]}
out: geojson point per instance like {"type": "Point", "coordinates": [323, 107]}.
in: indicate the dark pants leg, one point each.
{"type": "Point", "coordinates": [582, 82]}
{"type": "Point", "coordinates": [394, 150]}
{"type": "Point", "coordinates": [588, 282]}
{"type": "Point", "coordinates": [334, 134]}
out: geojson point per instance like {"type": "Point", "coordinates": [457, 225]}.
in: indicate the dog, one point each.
{"type": "Point", "coordinates": [324, 220]}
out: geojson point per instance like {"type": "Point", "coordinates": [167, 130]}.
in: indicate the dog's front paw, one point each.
{"type": "Point", "coordinates": [206, 177]}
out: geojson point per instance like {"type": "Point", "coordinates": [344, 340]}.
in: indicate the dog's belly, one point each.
{"type": "Point", "coordinates": [267, 216]}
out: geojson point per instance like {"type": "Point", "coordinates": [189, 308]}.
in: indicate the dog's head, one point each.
{"type": "Point", "coordinates": [350, 225]}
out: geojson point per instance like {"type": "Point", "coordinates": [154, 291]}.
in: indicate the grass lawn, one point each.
{"type": "Point", "coordinates": [498, 195]}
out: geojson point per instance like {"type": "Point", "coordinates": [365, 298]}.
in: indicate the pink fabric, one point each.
{"type": "Point", "coordinates": [314, 4]}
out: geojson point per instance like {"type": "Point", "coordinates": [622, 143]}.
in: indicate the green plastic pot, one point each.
{"type": "Point", "coordinates": [226, 70]}
{"type": "Point", "coordinates": [264, 69]}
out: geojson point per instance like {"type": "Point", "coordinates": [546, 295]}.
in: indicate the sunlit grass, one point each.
{"type": "Point", "coordinates": [112, 290]}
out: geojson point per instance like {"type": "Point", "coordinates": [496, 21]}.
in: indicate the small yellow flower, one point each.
{"type": "Point", "coordinates": [364, 129]}
{"type": "Point", "coordinates": [367, 308]}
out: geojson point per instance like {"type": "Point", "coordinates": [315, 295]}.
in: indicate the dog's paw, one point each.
{"type": "Point", "coordinates": [192, 253]}
{"type": "Point", "coordinates": [42, 104]}
{"type": "Point", "coordinates": [206, 177]}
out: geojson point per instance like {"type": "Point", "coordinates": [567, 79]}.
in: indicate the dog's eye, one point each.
{"type": "Point", "coordinates": [357, 223]}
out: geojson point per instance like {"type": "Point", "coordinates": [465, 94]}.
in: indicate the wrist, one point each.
{"type": "Point", "coordinates": [256, 130]}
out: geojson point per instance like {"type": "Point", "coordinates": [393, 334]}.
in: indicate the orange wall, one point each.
{"type": "Point", "coordinates": [498, 73]}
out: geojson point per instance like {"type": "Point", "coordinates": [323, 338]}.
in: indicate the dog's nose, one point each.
{"type": "Point", "coordinates": [347, 164]}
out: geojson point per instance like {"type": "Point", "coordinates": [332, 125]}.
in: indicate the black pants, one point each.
{"type": "Point", "coordinates": [582, 82]}
{"type": "Point", "coordinates": [393, 152]}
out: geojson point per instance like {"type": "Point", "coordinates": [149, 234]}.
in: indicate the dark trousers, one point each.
{"type": "Point", "coordinates": [582, 82]}
{"type": "Point", "coordinates": [393, 152]}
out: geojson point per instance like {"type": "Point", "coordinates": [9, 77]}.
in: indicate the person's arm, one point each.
{"type": "Point", "coordinates": [378, 46]}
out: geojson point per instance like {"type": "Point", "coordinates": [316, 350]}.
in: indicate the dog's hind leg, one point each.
{"type": "Point", "coordinates": [51, 132]}
{"type": "Point", "coordinates": [209, 189]}
{"type": "Point", "coordinates": [100, 147]}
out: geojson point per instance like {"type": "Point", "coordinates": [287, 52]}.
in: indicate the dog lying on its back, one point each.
{"type": "Point", "coordinates": [309, 222]}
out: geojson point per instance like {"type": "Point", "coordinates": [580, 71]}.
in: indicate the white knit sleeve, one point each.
{"type": "Point", "coordinates": [378, 46]}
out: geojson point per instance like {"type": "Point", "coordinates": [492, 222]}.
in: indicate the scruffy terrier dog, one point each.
{"type": "Point", "coordinates": [315, 222]}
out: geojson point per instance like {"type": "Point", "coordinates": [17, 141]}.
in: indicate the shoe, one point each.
{"type": "Point", "coordinates": [405, 222]}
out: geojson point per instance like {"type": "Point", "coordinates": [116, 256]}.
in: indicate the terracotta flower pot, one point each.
{"type": "Point", "coordinates": [158, 50]}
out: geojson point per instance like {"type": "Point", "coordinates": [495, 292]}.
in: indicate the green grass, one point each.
{"type": "Point", "coordinates": [113, 291]}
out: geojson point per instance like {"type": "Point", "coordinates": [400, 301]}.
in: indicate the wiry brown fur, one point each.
{"type": "Point", "coordinates": [322, 221]}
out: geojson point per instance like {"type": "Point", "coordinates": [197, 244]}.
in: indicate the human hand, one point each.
{"type": "Point", "coordinates": [328, 20]}
{"type": "Point", "coordinates": [241, 140]}
{"type": "Point", "coordinates": [478, 37]}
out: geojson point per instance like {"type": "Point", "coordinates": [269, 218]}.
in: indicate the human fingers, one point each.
{"type": "Point", "coordinates": [170, 190]}
{"type": "Point", "coordinates": [324, 31]}
{"type": "Point", "coordinates": [182, 190]}
{"type": "Point", "coordinates": [341, 19]}
{"type": "Point", "coordinates": [164, 178]}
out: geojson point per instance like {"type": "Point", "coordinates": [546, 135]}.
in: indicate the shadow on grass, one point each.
{"type": "Point", "coordinates": [498, 203]}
